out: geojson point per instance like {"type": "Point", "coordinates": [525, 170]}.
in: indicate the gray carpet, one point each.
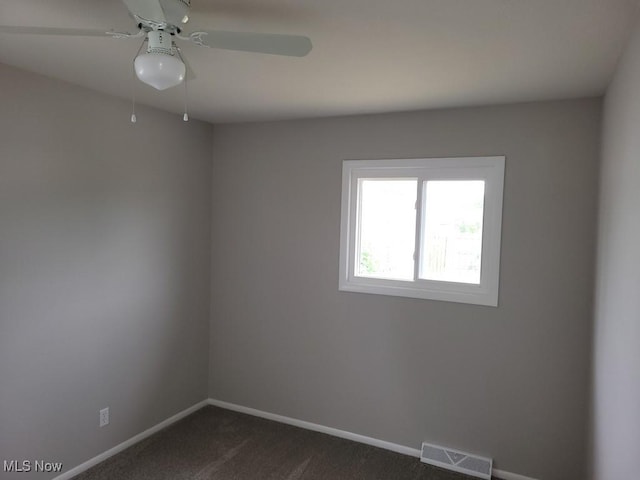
{"type": "Point", "coordinates": [218, 444]}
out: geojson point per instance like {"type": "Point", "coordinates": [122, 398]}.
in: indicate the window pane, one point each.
{"type": "Point", "coordinates": [452, 235]}
{"type": "Point", "coordinates": [387, 228]}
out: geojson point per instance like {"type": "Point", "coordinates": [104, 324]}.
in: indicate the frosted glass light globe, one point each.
{"type": "Point", "coordinates": [159, 70]}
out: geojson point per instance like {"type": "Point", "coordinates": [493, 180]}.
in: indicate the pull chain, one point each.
{"type": "Point", "coordinates": [134, 119]}
{"type": "Point", "coordinates": [185, 117]}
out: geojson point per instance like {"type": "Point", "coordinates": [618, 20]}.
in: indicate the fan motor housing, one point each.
{"type": "Point", "coordinates": [160, 42]}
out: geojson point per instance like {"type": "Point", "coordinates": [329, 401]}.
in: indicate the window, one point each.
{"type": "Point", "coordinates": [424, 228]}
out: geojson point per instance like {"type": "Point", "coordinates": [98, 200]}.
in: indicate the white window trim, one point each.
{"type": "Point", "coordinates": [489, 169]}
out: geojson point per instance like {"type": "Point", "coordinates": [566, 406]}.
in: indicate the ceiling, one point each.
{"type": "Point", "coordinates": [369, 55]}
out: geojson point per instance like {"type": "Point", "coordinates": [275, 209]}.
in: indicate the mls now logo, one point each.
{"type": "Point", "coordinates": [17, 466]}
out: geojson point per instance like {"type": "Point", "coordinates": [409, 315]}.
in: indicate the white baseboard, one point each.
{"type": "Point", "coordinates": [394, 447]}
{"type": "Point", "coordinates": [127, 443]}
{"type": "Point", "coordinates": [509, 476]}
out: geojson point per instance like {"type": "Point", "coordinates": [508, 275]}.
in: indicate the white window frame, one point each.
{"type": "Point", "coordinates": [488, 169]}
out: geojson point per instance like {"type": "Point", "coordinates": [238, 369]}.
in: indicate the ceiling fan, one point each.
{"type": "Point", "coordinates": [160, 23]}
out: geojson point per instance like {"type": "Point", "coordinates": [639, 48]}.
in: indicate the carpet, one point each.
{"type": "Point", "coordinates": [218, 444]}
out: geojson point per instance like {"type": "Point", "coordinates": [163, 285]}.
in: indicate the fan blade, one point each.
{"type": "Point", "coordinates": [73, 32]}
{"type": "Point", "coordinates": [275, 44]}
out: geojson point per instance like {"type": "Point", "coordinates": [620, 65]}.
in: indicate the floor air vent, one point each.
{"type": "Point", "coordinates": [456, 460]}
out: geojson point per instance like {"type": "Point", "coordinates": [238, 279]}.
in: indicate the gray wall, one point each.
{"type": "Point", "coordinates": [105, 247]}
{"type": "Point", "coordinates": [104, 268]}
{"type": "Point", "coordinates": [511, 382]}
{"type": "Point", "coordinates": [617, 319]}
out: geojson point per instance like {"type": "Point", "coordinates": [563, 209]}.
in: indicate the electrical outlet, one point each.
{"type": "Point", "coordinates": [104, 417]}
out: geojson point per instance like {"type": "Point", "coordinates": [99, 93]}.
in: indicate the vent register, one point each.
{"type": "Point", "coordinates": [456, 461]}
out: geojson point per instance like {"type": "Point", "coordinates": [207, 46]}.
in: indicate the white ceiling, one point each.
{"type": "Point", "coordinates": [369, 55]}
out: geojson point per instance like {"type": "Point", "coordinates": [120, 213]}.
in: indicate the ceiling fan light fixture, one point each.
{"type": "Point", "coordinates": [160, 67]}
{"type": "Point", "coordinates": [160, 70]}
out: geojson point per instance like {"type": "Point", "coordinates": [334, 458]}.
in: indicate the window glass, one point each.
{"type": "Point", "coordinates": [452, 231]}
{"type": "Point", "coordinates": [387, 228]}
